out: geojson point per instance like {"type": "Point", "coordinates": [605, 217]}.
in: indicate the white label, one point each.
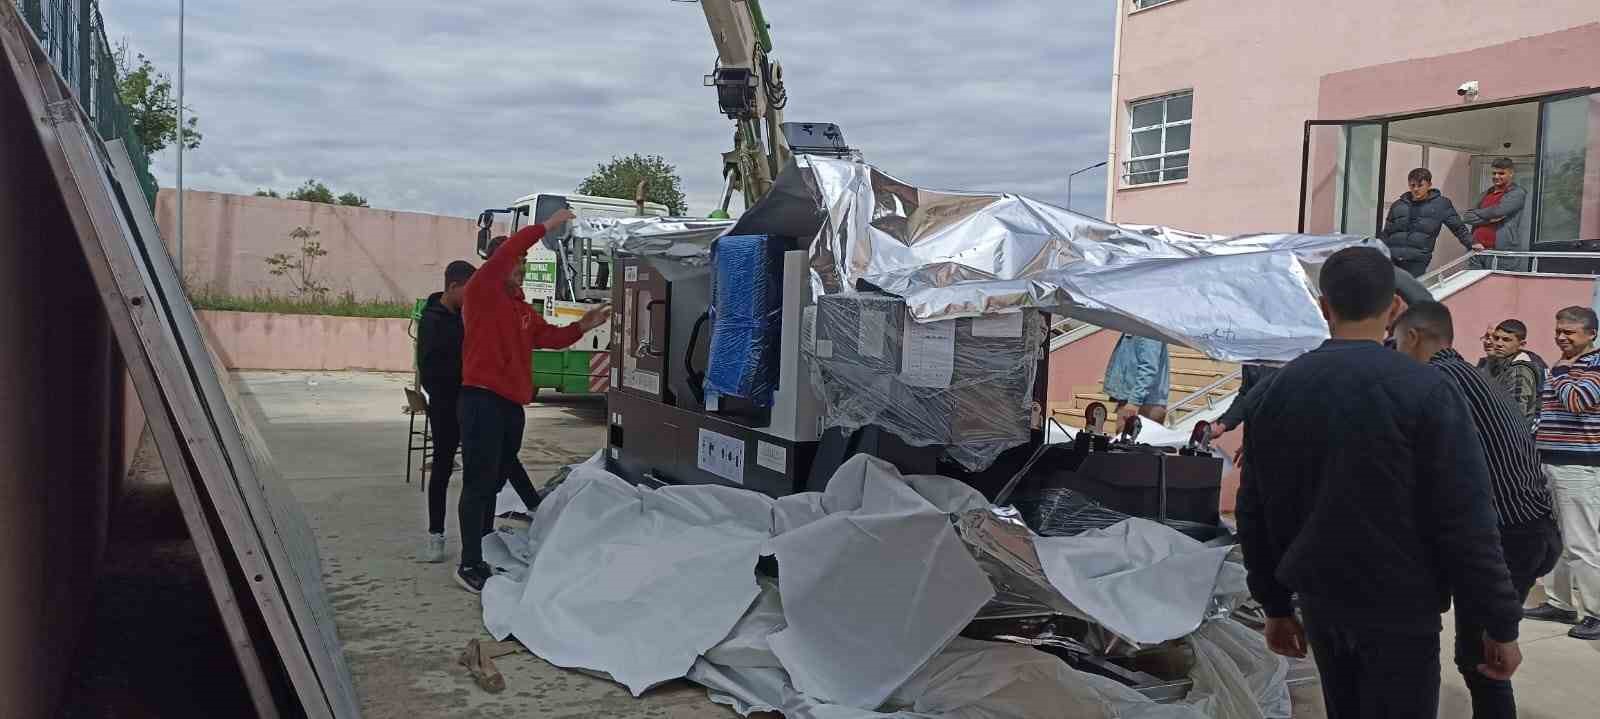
{"type": "Point", "coordinates": [929, 353]}
{"type": "Point", "coordinates": [825, 349]}
{"type": "Point", "coordinates": [616, 418]}
{"type": "Point", "coordinates": [616, 453]}
{"type": "Point", "coordinates": [648, 382]}
{"type": "Point", "coordinates": [874, 325]}
{"type": "Point", "coordinates": [808, 329]}
{"type": "Point", "coordinates": [772, 456]}
{"type": "Point", "coordinates": [998, 326]}
{"type": "Point", "coordinates": [631, 274]}
{"type": "Point", "coordinates": [721, 455]}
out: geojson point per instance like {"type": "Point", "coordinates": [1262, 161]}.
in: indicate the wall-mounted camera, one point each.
{"type": "Point", "coordinates": [1468, 89]}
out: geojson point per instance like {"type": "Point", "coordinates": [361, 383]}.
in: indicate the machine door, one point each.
{"type": "Point", "coordinates": [646, 330]}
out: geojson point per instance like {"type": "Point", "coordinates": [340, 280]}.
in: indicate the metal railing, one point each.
{"type": "Point", "coordinates": [73, 35]}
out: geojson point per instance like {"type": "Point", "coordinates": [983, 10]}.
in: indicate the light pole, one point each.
{"type": "Point", "coordinates": [181, 139]}
{"type": "Point", "coordinates": [1075, 173]}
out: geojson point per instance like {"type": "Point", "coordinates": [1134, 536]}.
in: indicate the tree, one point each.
{"type": "Point", "coordinates": [621, 176]}
{"type": "Point", "coordinates": [301, 266]}
{"type": "Point", "coordinates": [314, 191]}
{"type": "Point", "coordinates": [267, 193]}
{"type": "Point", "coordinates": [351, 199]}
{"type": "Point", "coordinates": [152, 106]}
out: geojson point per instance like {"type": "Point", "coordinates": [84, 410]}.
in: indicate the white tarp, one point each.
{"type": "Point", "coordinates": [1143, 580]}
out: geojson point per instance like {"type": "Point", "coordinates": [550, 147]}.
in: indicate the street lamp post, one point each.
{"type": "Point", "coordinates": [1075, 173]}
{"type": "Point", "coordinates": [181, 139]}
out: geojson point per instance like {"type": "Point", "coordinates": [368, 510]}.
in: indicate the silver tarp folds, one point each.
{"type": "Point", "coordinates": [680, 238]}
{"type": "Point", "coordinates": [965, 254]}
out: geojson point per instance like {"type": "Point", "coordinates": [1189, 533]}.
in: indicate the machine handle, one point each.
{"type": "Point", "coordinates": [650, 344]}
{"type": "Point", "coordinates": [696, 379]}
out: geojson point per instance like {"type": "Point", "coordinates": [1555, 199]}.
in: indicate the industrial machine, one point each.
{"type": "Point", "coordinates": [565, 277]}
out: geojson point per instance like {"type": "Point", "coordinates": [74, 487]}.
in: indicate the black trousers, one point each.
{"type": "Point", "coordinates": [1531, 551]}
{"type": "Point", "coordinates": [445, 421]}
{"type": "Point", "coordinates": [1415, 268]}
{"type": "Point", "coordinates": [1374, 673]}
{"type": "Point", "coordinates": [491, 436]}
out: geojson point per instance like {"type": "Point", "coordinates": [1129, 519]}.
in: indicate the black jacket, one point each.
{"type": "Point", "coordinates": [439, 337]}
{"type": "Point", "coordinates": [1412, 227]}
{"type": "Point", "coordinates": [1254, 380]}
{"type": "Point", "coordinates": [1520, 377]}
{"type": "Point", "coordinates": [1367, 494]}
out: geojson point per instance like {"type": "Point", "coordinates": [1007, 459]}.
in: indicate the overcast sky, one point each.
{"type": "Point", "coordinates": [453, 107]}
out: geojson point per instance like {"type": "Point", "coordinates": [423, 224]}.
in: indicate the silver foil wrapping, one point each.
{"type": "Point", "coordinates": [966, 254]}
{"type": "Point", "coordinates": [683, 239]}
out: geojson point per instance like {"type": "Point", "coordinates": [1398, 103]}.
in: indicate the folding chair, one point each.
{"type": "Point", "coordinates": [418, 440]}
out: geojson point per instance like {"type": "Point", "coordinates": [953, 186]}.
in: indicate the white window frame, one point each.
{"type": "Point", "coordinates": [1161, 172]}
{"type": "Point", "coordinates": [1144, 5]}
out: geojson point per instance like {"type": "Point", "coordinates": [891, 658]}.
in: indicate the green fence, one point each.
{"type": "Point", "coordinates": [73, 34]}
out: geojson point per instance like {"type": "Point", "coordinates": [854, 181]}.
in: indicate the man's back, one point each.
{"type": "Point", "coordinates": [1366, 493]}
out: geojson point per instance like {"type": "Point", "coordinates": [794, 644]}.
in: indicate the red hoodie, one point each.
{"type": "Point", "coordinates": [502, 328]}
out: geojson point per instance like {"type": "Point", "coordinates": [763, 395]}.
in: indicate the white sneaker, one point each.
{"type": "Point", "coordinates": [434, 551]}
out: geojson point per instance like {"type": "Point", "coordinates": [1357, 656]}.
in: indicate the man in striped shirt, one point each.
{"type": "Point", "coordinates": [1569, 445]}
{"type": "Point", "coordinates": [1528, 533]}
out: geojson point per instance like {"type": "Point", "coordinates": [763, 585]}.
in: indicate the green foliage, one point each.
{"type": "Point", "coordinates": [152, 105]}
{"type": "Point", "coordinates": [267, 193]}
{"type": "Point", "coordinates": [315, 191]}
{"type": "Point", "coordinates": [300, 266]}
{"type": "Point", "coordinates": [344, 305]}
{"type": "Point", "coordinates": [351, 199]}
{"type": "Point", "coordinates": [620, 178]}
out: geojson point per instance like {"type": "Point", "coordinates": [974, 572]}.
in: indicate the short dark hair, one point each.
{"type": "Point", "coordinates": [1420, 174]}
{"type": "Point", "coordinates": [1579, 313]}
{"type": "Point", "coordinates": [458, 272]}
{"type": "Point", "coordinates": [494, 244]}
{"type": "Point", "coordinates": [1358, 283]}
{"type": "Point", "coordinates": [1432, 319]}
{"type": "Point", "coordinates": [1504, 163]}
{"type": "Point", "coordinates": [1514, 327]}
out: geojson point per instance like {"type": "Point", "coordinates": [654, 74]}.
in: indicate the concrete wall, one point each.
{"type": "Point", "coordinates": [61, 431]}
{"type": "Point", "coordinates": [382, 254]}
{"type": "Point", "coordinates": [1257, 76]}
{"type": "Point", "coordinates": [260, 340]}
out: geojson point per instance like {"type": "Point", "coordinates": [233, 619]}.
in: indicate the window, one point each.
{"type": "Point", "coordinates": [1142, 4]}
{"type": "Point", "coordinates": [1158, 139]}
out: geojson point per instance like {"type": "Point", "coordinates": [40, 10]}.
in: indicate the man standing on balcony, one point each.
{"type": "Point", "coordinates": [1514, 368]}
{"type": "Point", "coordinates": [1528, 535]}
{"type": "Point", "coordinates": [1138, 378]}
{"type": "Point", "coordinates": [1359, 499]}
{"type": "Point", "coordinates": [1497, 220]}
{"type": "Point", "coordinates": [1569, 445]}
{"type": "Point", "coordinates": [1412, 227]}
{"type": "Point", "coordinates": [502, 331]}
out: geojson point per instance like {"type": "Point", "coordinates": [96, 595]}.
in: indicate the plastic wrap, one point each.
{"type": "Point", "coordinates": [746, 318]}
{"type": "Point", "coordinates": [964, 384]}
{"type": "Point", "coordinates": [680, 239]}
{"type": "Point", "coordinates": [1062, 512]}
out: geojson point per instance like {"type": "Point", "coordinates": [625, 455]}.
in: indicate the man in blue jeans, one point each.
{"type": "Point", "coordinates": [1137, 378]}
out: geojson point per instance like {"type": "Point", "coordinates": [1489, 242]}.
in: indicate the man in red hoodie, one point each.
{"type": "Point", "coordinates": [502, 331]}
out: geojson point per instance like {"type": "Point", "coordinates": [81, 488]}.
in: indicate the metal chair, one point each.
{"type": "Point", "coordinates": [418, 440]}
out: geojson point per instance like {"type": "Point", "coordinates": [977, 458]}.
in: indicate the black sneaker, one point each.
{"type": "Point", "coordinates": [1589, 630]}
{"type": "Point", "coordinates": [473, 578]}
{"type": "Point", "coordinates": [1546, 613]}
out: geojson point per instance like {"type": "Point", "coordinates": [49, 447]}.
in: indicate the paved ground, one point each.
{"type": "Point", "coordinates": [339, 440]}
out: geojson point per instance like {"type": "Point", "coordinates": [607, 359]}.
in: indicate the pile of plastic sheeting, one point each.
{"type": "Point", "coordinates": [874, 585]}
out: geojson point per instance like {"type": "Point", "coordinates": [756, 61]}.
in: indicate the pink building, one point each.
{"type": "Point", "coordinates": [1308, 113]}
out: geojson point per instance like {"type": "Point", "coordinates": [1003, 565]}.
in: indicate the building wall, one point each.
{"type": "Point", "coordinates": [382, 254]}
{"type": "Point", "coordinates": [1258, 75]}
{"type": "Point", "coordinates": [261, 340]}
{"type": "Point", "coordinates": [61, 431]}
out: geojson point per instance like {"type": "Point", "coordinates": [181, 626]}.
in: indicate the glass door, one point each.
{"type": "Point", "coordinates": [1567, 191]}
{"type": "Point", "coordinates": [1341, 178]}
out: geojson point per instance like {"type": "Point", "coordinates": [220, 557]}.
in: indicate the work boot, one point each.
{"type": "Point", "coordinates": [473, 578]}
{"type": "Point", "coordinates": [434, 551]}
{"type": "Point", "coordinates": [1589, 630]}
{"type": "Point", "coordinates": [1547, 613]}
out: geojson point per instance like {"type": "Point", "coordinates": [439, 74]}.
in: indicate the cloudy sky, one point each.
{"type": "Point", "coordinates": [453, 107]}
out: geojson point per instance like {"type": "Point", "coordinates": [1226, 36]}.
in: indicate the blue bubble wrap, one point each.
{"type": "Point", "coordinates": [746, 318]}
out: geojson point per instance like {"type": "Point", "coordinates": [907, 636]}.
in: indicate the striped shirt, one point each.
{"type": "Point", "coordinates": [1516, 480]}
{"type": "Point", "coordinates": [1569, 412]}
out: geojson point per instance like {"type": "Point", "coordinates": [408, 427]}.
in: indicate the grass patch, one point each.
{"type": "Point", "coordinates": [342, 305]}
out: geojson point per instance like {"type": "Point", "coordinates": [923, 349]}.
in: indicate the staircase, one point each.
{"type": "Point", "coordinates": [1193, 374]}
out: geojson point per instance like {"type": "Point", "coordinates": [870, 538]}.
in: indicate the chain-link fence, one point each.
{"type": "Point", "coordinates": [73, 34]}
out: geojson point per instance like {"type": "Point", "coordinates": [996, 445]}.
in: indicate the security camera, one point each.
{"type": "Point", "coordinates": [1468, 89]}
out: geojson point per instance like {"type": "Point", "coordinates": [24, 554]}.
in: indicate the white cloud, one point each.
{"type": "Point", "coordinates": [452, 108]}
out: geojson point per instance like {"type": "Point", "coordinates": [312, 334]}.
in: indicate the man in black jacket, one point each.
{"type": "Point", "coordinates": [1414, 220]}
{"type": "Point", "coordinates": [1364, 497]}
{"type": "Point", "coordinates": [1529, 537]}
{"type": "Point", "coordinates": [439, 338]}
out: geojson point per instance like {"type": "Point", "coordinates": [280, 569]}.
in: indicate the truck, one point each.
{"type": "Point", "coordinates": [565, 277]}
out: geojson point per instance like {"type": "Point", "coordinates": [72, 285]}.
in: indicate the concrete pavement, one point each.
{"type": "Point", "coordinates": [339, 439]}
